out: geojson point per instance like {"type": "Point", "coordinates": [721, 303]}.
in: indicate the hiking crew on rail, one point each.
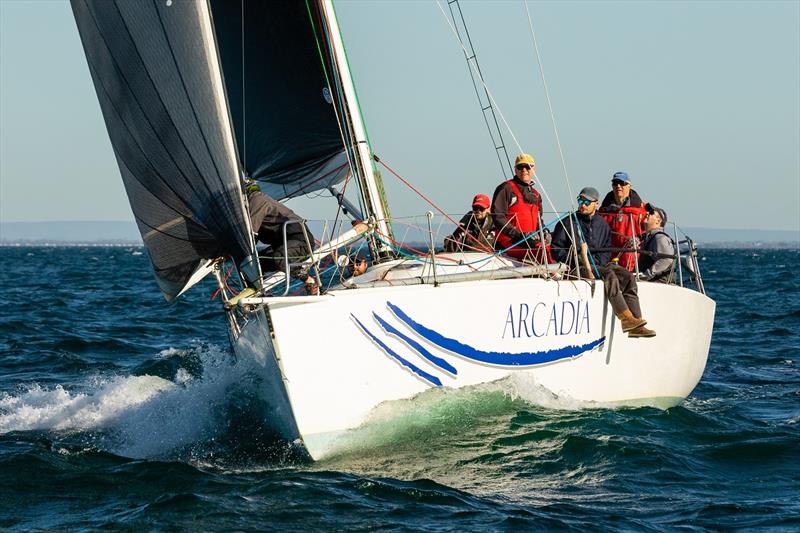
{"type": "Point", "coordinates": [590, 233]}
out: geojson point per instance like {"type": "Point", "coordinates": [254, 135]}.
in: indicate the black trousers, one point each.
{"type": "Point", "coordinates": [621, 289]}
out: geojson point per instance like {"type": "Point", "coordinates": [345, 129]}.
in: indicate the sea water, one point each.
{"type": "Point", "coordinates": [118, 410]}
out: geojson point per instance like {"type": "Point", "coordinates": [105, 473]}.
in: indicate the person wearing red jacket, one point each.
{"type": "Point", "coordinates": [624, 211]}
{"type": "Point", "coordinates": [516, 210]}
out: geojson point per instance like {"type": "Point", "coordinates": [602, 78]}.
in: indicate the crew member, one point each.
{"type": "Point", "coordinates": [475, 230]}
{"type": "Point", "coordinates": [590, 236]}
{"type": "Point", "coordinates": [623, 209]}
{"type": "Point", "coordinates": [268, 217]}
{"type": "Point", "coordinates": [353, 266]}
{"type": "Point", "coordinates": [657, 258]}
{"type": "Point", "coordinates": [516, 209]}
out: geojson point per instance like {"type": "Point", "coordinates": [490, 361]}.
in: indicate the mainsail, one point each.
{"type": "Point", "coordinates": [156, 72]}
{"type": "Point", "coordinates": [282, 93]}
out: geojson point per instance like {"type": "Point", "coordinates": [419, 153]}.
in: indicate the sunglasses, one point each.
{"type": "Point", "coordinates": [523, 167]}
{"type": "Point", "coordinates": [583, 201]}
{"type": "Point", "coordinates": [619, 183]}
{"type": "Point", "coordinates": [478, 209]}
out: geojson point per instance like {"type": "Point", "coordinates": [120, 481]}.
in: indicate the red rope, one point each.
{"type": "Point", "coordinates": [225, 282]}
{"type": "Point", "coordinates": [481, 246]}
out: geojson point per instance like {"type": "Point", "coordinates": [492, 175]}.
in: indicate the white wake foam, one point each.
{"type": "Point", "coordinates": [135, 416]}
{"type": "Point", "coordinates": [40, 408]}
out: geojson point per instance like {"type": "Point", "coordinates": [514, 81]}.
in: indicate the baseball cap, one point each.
{"type": "Point", "coordinates": [524, 159]}
{"type": "Point", "coordinates": [481, 200]}
{"type": "Point", "coordinates": [650, 208]}
{"type": "Point", "coordinates": [622, 176]}
{"type": "Point", "coordinates": [589, 193]}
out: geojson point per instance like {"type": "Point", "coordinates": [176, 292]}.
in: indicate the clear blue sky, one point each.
{"type": "Point", "coordinates": [698, 101]}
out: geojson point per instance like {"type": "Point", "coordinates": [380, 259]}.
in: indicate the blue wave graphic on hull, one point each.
{"type": "Point", "coordinates": [493, 358]}
{"type": "Point", "coordinates": [438, 361]}
{"type": "Point", "coordinates": [413, 368]}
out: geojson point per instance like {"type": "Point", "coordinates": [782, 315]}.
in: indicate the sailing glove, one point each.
{"type": "Point", "coordinates": [250, 187]}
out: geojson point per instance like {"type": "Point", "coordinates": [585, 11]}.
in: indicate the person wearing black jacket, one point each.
{"type": "Point", "coordinates": [591, 236]}
{"type": "Point", "coordinates": [475, 230]}
{"type": "Point", "coordinates": [268, 217]}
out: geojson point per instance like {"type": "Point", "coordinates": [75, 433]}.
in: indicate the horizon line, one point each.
{"type": "Point", "coordinates": [131, 221]}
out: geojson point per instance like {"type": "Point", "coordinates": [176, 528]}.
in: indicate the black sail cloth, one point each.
{"type": "Point", "coordinates": [155, 70]}
{"type": "Point", "coordinates": [278, 77]}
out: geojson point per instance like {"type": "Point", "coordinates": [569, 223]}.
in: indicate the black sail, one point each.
{"type": "Point", "coordinates": [281, 88]}
{"type": "Point", "coordinates": [155, 69]}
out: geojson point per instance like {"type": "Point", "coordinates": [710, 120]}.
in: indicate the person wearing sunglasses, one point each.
{"type": "Point", "coordinates": [656, 262]}
{"type": "Point", "coordinates": [475, 231]}
{"type": "Point", "coordinates": [624, 211]}
{"type": "Point", "coordinates": [586, 237]}
{"type": "Point", "coordinates": [516, 209]}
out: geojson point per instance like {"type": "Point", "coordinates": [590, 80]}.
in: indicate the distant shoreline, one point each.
{"type": "Point", "coordinates": [119, 233]}
{"type": "Point", "coordinates": [67, 244]}
{"type": "Point", "coordinates": [725, 245]}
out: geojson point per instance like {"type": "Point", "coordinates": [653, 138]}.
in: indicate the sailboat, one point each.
{"type": "Point", "coordinates": [198, 95]}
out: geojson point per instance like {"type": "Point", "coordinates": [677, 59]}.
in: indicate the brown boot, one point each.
{"type": "Point", "coordinates": [641, 332]}
{"type": "Point", "coordinates": [630, 322]}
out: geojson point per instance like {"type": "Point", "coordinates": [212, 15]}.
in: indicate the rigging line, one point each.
{"type": "Point", "coordinates": [483, 82]}
{"type": "Point", "coordinates": [430, 202]}
{"type": "Point", "coordinates": [497, 148]}
{"type": "Point", "coordinates": [496, 106]}
{"type": "Point", "coordinates": [339, 208]}
{"type": "Point", "coordinates": [367, 167]}
{"type": "Point", "coordinates": [351, 160]}
{"type": "Point", "coordinates": [550, 106]}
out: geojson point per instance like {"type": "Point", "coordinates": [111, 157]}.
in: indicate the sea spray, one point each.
{"type": "Point", "coordinates": [140, 416]}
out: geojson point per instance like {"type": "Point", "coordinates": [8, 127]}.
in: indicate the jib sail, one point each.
{"type": "Point", "coordinates": [156, 72]}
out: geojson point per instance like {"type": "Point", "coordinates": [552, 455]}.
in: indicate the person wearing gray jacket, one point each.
{"type": "Point", "coordinates": [268, 217]}
{"type": "Point", "coordinates": [656, 263]}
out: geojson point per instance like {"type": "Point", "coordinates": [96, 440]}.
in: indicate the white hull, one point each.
{"type": "Point", "coordinates": [343, 354]}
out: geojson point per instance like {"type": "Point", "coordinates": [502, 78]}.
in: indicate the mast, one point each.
{"type": "Point", "coordinates": [368, 182]}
